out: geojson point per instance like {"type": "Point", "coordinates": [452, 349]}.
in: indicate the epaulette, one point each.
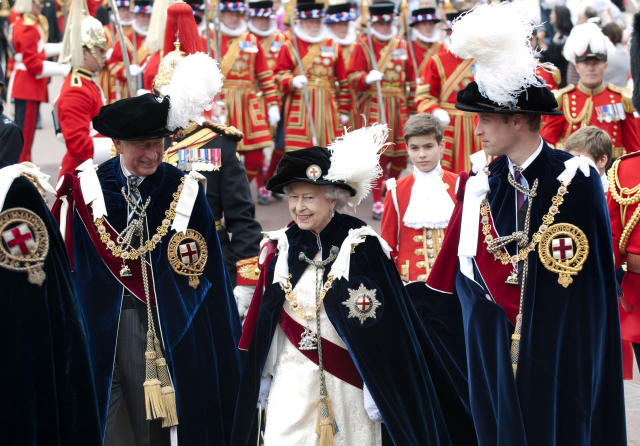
{"type": "Point", "coordinates": [628, 155]}
{"type": "Point", "coordinates": [555, 71]}
{"type": "Point", "coordinates": [229, 130]}
{"type": "Point", "coordinates": [626, 97]}
{"type": "Point", "coordinates": [559, 94]}
{"type": "Point", "coordinates": [78, 74]}
{"type": "Point", "coordinates": [29, 20]}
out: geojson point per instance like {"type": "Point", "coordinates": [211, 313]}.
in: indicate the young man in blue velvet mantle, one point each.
{"type": "Point", "coordinates": [528, 254]}
{"type": "Point", "coordinates": [134, 210]}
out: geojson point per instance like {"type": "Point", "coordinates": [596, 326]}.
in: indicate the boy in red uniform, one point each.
{"type": "Point", "coordinates": [417, 208]}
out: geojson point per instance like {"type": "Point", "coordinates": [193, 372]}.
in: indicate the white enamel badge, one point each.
{"type": "Point", "coordinates": [362, 303]}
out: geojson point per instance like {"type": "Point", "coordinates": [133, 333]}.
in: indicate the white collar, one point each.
{"type": "Point", "coordinates": [430, 205]}
{"type": "Point", "coordinates": [141, 31]}
{"type": "Point", "coordinates": [258, 32]}
{"type": "Point", "coordinates": [529, 160]}
{"type": "Point", "coordinates": [385, 37]}
{"type": "Point", "coordinates": [235, 32]}
{"type": "Point", "coordinates": [128, 174]}
{"type": "Point", "coordinates": [349, 39]}
{"type": "Point", "coordinates": [302, 35]}
{"type": "Point", "coordinates": [434, 37]}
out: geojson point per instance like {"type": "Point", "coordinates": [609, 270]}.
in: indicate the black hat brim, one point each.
{"type": "Point", "coordinates": [137, 118]}
{"type": "Point", "coordinates": [277, 185]}
{"type": "Point", "coordinates": [534, 101]}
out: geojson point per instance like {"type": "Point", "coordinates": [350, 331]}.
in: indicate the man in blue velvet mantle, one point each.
{"type": "Point", "coordinates": [528, 254]}
{"type": "Point", "coordinates": [148, 270]}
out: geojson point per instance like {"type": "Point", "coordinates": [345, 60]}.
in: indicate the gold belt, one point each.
{"type": "Point", "coordinates": [452, 110]}
{"type": "Point", "coordinates": [320, 83]}
{"type": "Point", "coordinates": [387, 91]}
{"type": "Point", "coordinates": [237, 83]}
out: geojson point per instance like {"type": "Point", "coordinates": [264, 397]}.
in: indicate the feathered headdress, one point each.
{"type": "Point", "coordinates": [195, 83]}
{"type": "Point", "coordinates": [155, 37]}
{"type": "Point", "coordinates": [497, 37]}
{"type": "Point", "coordinates": [355, 159]}
{"type": "Point", "coordinates": [587, 41]}
{"type": "Point", "coordinates": [82, 30]}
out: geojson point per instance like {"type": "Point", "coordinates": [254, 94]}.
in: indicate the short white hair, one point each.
{"type": "Point", "coordinates": [340, 195]}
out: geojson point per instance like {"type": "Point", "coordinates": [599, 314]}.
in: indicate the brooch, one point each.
{"type": "Point", "coordinates": [187, 253]}
{"type": "Point", "coordinates": [362, 303]}
{"type": "Point", "coordinates": [563, 249]}
{"type": "Point", "coordinates": [25, 243]}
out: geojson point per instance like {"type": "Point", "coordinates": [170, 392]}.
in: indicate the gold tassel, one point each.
{"type": "Point", "coordinates": [170, 418]}
{"type": "Point", "coordinates": [152, 394]}
{"type": "Point", "coordinates": [325, 425]}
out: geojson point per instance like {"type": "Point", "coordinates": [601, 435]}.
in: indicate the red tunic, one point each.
{"type": "Point", "coordinates": [550, 74]}
{"type": "Point", "coordinates": [28, 38]}
{"type": "Point", "coordinates": [416, 250]}
{"type": "Point", "coordinates": [246, 72]}
{"type": "Point", "coordinates": [151, 70]}
{"type": "Point", "coordinates": [117, 77]}
{"type": "Point", "coordinates": [328, 92]}
{"type": "Point", "coordinates": [399, 78]}
{"type": "Point", "coordinates": [443, 76]}
{"type": "Point", "coordinates": [582, 106]}
{"type": "Point", "coordinates": [80, 100]}
{"type": "Point", "coordinates": [423, 52]}
{"type": "Point", "coordinates": [271, 46]}
{"type": "Point", "coordinates": [625, 173]}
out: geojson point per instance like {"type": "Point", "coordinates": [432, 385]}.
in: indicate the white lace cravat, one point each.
{"type": "Point", "coordinates": [430, 206]}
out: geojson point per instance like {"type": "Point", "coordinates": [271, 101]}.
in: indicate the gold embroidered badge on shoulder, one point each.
{"type": "Point", "coordinates": [362, 303]}
{"type": "Point", "coordinates": [25, 243]}
{"type": "Point", "coordinates": [187, 253]}
{"type": "Point", "coordinates": [563, 249]}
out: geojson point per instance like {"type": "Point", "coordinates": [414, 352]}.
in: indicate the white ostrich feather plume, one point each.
{"type": "Point", "coordinates": [583, 36]}
{"type": "Point", "coordinates": [497, 37]}
{"type": "Point", "coordinates": [355, 159]}
{"type": "Point", "coordinates": [194, 84]}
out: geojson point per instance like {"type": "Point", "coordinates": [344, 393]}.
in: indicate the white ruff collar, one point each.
{"type": "Point", "coordinates": [430, 205]}
{"type": "Point", "coordinates": [258, 32]}
{"type": "Point", "coordinates": [233, 32]}
{"type": "Point", "coordinates": [302, 35]}
{"type": "Point", "coordinates": [349, 39]}
{"type": "Point", "coordinates": [138, 30]}
{"type": "Point", "coordinates": [384, 37]}
{"type": "Point", "coordinates": [435, 36]}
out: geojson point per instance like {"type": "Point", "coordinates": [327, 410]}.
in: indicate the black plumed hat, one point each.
{"type": "Point", "coordinates": [309, 5]}
{"type": "Point", "coordinates": [308, 165]}
{"type": "Point", "coordinates": [534, 100]}
{"type": "Point", "coordinates": [423, 15]}
{"type": "Point", "coordinates": [133, 119]}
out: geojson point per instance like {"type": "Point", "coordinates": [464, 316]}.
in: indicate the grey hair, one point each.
{"type": "Point", "coordinates": [331, 193]}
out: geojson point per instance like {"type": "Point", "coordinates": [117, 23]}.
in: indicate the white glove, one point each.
{"type": "Point", "coordinates": [373, 77]}
{"type": "Point", "coordinates": [274, 115]}
{"type": "Point", "coordinates": [300, 81]}
{"type": "Point", "coordinates": [265, 387]}
{"type": "Point", "coordinates": [442, 115]}
{"type": "Point", "coordinates": [369, 405]}
{"type": "Point", "coordinates": [134, 69]}
{"type": "Point", "coordinates": [53, 69]}
{"type": "Point", "coordinates": [52, 49]}
{"type": "Point", "coordinates": [344, 119]}
{"type": "Point", "coordinates": [243, 295]}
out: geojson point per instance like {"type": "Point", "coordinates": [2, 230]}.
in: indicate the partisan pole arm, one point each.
{"type": "Point", "coordinates": [123, 47]}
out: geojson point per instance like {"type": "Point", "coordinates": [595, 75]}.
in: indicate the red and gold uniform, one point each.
{"type": "Point", "coordinates": [443, 76]}
{"type": "Point", "coordinates": [271, 46]}
{"type": "Point", "coordinates": [80, 100]}
{"type": "Point", "coordinates": [413, 250]}
{"type": "Point", "coordinates": [424, 46]}
{"type": "Point", "coordinates": [327, 89]}
{"type": "Point", "coordinates": [606, 107]}
{"type": "Point", "coordinates": [246, 73]}
{"type": "Point", "coordinates": [623, 198]}
{"type": "Point", "coordinates": [550, 74]}
{"type": "Point", "coordinates": [117, 76]}
{"type": "Point", "coordinates": [424, 51]}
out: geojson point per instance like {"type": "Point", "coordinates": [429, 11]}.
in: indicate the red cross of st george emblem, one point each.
{"type": "Point", "coordinates": [314, 172]}
{"type": "Point", "coordinates": [188, 253]}
{"type": "Point", "coordinates": [562, 248]}
{"type": "Point", "coordinates": [19, 240]}
{"type": "Point", "coordinates": [363, 303]}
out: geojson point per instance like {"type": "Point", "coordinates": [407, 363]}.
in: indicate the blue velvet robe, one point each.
{"type": "Point", "coordinates": [393, 353]}
{"type": "Point", "coordinates": [200, 327]}
{"type": "Point", "coordinates": [569, 388]}
{"type": "Point", "coordinates": [48, 396]}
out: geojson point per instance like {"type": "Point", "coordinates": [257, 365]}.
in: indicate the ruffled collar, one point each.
{"type": "Point", "coordinates": [434, 37]}
{"type": "Point", "coordinates": [349, 39]}
{"type": "Point", "coordinates": [384, 37]}
{"type": "Point", "coordinates": [302, 34]}
{"type": "Point", "coordinates": [235, 32]}
{"type": "Point", "coordinates": [258, 32]}
{"type": "Point", "coordinates": [430, 205]}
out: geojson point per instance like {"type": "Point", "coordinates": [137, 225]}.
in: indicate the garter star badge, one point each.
{"type": "Point", "coordinates": [24, 243]}
{"type": "Point", "coordinates": [362, 303]}
{"type": "Point", "coordinates": [563, 249]}
{"type": "Point", "coordinates": [314, 172]}
{"type": "Point", "coordinates": [188, 255]}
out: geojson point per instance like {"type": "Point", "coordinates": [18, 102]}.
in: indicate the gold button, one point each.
{"type": "Point", "coordinates": [420, 264]}
{"type": "Point", "coordinates": [422, 277]}
{"type": "Point", "coordinates": [419, 252]}
{"type": "Point", "coordinates": [573, 109]}
{"type": "Point", "coordinates": [429, 243]}
{"type": "Point", "coordinates": [431, 261]}
{"type": "Point", "coordinates": [428, 234]}
{"type": "Point", "coordinates": [417, 238]}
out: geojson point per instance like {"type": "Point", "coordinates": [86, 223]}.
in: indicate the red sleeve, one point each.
{"type": "Point", "coordinates": [344, 92]}
{"type": "Point", "coordinates": [116, 62]}
{"type": "Point", "coordinates": [75, 111]}
{"type": "Point", "coordinates": [430, 88]}
{"type": "Point", "coordinates": [32, 59]}
{"type": "Point", "coordinates": [553, 127]}
{"type": "Point", "coordinates": [616, 227]}
{"type": "Point", "coordinates": [630, 133]}
{"type": "Point", "coordinates": [389, 224]}
{"type": "Point", "coordinates": [265, 77]}
{"type": "Point", "coordinates": [358, 68]}
{"type": "Point", "coordinates": [284, 67]}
